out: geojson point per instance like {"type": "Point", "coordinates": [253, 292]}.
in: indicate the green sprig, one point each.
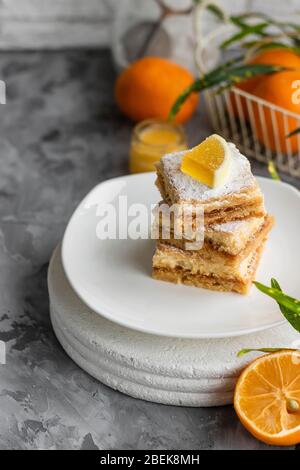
{"type": "Point", "coordinates": [227, 75]}
{"type": "Point", "coordinates": [246, 30]}
{"type": "Point", "coordinates": [265, 45]}
{"type": "Point", "coordinates": [289, 306]}
{"type": "Point", "coordinates": [242, 352]}
{"type": "Point", "coordinates": [260, 30]}
{"type": "Point", "coordinates": [213, 8]}
{"type": "Point", "coordinates": [294, 132]}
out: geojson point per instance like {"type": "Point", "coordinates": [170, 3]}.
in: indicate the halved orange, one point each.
{"type": "Point", "coordinates": [267, 398]}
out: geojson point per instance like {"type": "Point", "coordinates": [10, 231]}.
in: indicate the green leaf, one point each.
{"type": "Point", "coordinates": [216, 11]}
{"type": "Point", "coordinates": [261, 46]}
{"type": "Point", "coordinates": [275, 284]}
{"type": "Point", "coordinates": [282, 25]}
{"type": "Point", "coordinates": [213, 8]}
{"type": "Point", "coordinates": [239, 21]}
{"type": "Point", "coordinates": [290, 316]}
{"type": "Point", "coordinates": [284, 300]}
{"type": "Point", "coordinates": [242, 352]}
{"type": "Point", "coordinates": [227, 75]}
{"type": "Point", "coordinates": [197, 86]}
{"type": "Point", "coordinates": [246, 31]}
{"type": "Point", "coordinates": [294, 132]}
{"type": "Point", "coordinates": [250, 15]}
{"type": "Point", "coordinates": [273, 171]}
{"type": "Point", "coordinates": [263, 29]}
{"type": "Point", "coordinates": [289, 307]}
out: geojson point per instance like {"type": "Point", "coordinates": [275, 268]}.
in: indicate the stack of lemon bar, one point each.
{"type": "Point", "coordinates": [236, 226]}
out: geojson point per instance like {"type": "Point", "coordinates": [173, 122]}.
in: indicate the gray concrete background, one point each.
{"type": "Point", "coordinates": [61, 134]}
{"type": "Point", "coordinates": [73, 23]}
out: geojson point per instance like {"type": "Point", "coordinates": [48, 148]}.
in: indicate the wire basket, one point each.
{"type": "Point", "coordinates": [255, 126]}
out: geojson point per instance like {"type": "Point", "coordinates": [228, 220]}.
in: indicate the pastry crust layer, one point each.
{"type": "Point", "coordinates": [213, 252]}
{"type": "Point", "coordinates": [212, 282]}
{"type": "Point", "coordinates": [246, 204]}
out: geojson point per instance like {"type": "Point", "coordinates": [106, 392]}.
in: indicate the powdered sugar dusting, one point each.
{"type": "Point", "coordinates": [187, 188]}
{"type": "Point", "coordinates": [229, 227]}
{"type": "Point", "coordinates": [239, 225]}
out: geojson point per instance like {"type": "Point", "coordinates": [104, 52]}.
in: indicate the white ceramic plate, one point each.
{"type": "Point", "coordinates": [113, 277]}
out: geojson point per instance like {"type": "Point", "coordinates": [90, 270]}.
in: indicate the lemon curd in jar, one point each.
{"type": "Point", "coordinates": [151, 140]}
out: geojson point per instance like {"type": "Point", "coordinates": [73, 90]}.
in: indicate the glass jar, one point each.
{"type": "Point", "coordinates": [151, 139]}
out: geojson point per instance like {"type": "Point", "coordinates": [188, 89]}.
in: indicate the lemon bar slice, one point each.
{"type": "Point", "coordinates": [181, 267]}
{"type": "Point", "coordinates": [238, 199]}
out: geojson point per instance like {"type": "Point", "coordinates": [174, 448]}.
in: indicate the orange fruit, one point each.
{"type": "Point", "coordinates": [149, 87]}
{"type": "Point", "coordinates": [283, 57]}
{"type": "Point", "coordinates": [279, 56]}
{"type": "Point", "coordinates": [267, 398]}
{"type": "Point", "coordinates": [278, 90]}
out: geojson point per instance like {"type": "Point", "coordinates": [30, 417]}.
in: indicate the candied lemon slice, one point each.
{"type": "Point", "coordinates": [210, 162]}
